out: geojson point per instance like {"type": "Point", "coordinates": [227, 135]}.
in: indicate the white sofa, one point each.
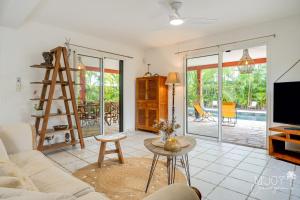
{"type": "Point", "coordinates": [50, 180]}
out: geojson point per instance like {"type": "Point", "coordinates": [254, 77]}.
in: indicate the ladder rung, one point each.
{"type": "Point", "coordinates": [52, 115]}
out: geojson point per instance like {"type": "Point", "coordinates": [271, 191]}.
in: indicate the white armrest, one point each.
{"type": "Point", "coordinates": [174, 192]}
{"type": "Point", "coordinates": [17, 137]}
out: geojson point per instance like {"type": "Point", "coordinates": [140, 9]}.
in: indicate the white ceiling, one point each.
{"type": "Point", "coordinates": [145, 22]}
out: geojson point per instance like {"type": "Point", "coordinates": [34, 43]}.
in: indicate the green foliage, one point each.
{"type": "Point", "coordinates": [111, 86]}
{"type": "Point", "coordinates": [239, 88]}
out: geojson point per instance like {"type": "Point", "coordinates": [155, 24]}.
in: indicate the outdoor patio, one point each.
{"type": "Point", "coordinates": [245, 132]}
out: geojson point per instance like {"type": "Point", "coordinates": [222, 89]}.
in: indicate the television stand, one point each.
{"type": "Point", "coordinates": [286, 134]}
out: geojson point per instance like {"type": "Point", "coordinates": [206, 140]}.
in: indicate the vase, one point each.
{"type": "Point", "coordinates": [172, 144]}
{"type": "Point", "coordinates": [163, 137]}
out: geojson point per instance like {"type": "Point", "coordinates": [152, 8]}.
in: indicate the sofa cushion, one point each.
{"type": "Point", "coordinates": [48, 177]}
{"type": "Point", "coordinates": [31, 162]}
{"type": "Point", "coordinates": [18, 194]}
{"type": "Point", "coordinates": [9, 181]}
{"type": "Point", "coordinates": [17, 137]}
{"type": "Point", "coordinates": [9, 169]}
{"type": "Point", "coordinates": [3, 152]}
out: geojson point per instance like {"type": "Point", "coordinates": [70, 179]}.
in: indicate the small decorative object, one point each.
{"type": "Point", "coordinates": [38, 110]}
{"type": "Point", "coordinates": [60, 127]}
{"type": "Point", "coordinates": [172, 144]}
{"type": "Point", "coordinates": [48, 57]}
{"type": "Point", "coordinates": [148, 73]}
{"type": "Point", "coordinates": [59, 111]}
{"type": "Point", "coordinates": [67, 137]}
{"type": "Point", "coordinates": [155, 74]}
{"type": "Point", "coordinates": [166, 129]}
{"type": "Point", "coordinates": [49, 139]}
{"type": "Point", "coordinates": [61, 97]}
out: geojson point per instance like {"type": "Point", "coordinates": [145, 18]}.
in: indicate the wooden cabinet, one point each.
{"type": "Point", "coordinates": [151, 102]}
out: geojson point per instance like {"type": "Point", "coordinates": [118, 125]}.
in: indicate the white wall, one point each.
{"type": "Point", "coordinates": [20, 48]}
{"type": "Point", "coordinates": [282, 52]}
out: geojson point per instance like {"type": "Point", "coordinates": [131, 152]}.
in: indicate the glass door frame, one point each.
{"type": "Point", "coordinates": [101, 95]}
{"type": "Point", "coordinates": [219, 71]}
{"type": "Point", "coordinates": [219, 50]}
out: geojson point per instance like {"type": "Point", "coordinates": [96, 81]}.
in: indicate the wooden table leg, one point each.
{"type": "Point", "coordinates": [119, 151]}
{"type": "Point", "coordinates": [101, 153]}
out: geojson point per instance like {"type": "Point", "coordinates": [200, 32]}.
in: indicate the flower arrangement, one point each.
{"type": "Point", "coordinates": [166, 128]}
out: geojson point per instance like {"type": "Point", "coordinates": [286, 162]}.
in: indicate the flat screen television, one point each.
{"type": "Point", "coordinates": [286, 107]}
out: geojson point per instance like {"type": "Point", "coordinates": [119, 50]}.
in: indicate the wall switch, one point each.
{"type": "Point", "coordinates": [19, 84]}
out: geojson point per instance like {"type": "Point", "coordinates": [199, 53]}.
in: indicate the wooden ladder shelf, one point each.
{"type": "Point", "coordinates": [54, 77]}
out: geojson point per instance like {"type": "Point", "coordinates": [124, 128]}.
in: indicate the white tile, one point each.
{"type": "Point", "coordinates": [194, 170]}
{"type": "Point", "coordinates": [204, 187]}
{"type": "Point", "coordinates": [261, 151]}
{"type": "Point", "coordinates": [263, 193]}
{"type": "Point", "coordinates": [225, 194]}
{"type": "Point", "coordinates": [63, 157]}
{"type": "Point", "coordinates": [279, 164]}
{"type": "Point", "coordinates": [275, 172]}
{"type": "Point", "coordinates": [244, 175]}
{"type": "Point", "coordinates": [240, 152]}
{"type": "Point", "coordinates": [259, 156]}
{"type": "Point", "coordinates": [294, 197]}
{"type": "Point", "coordinates": [207, 157]}
{"type": "Point", "coordinates": [250, 167]}
{"type": "Point", "coordinates": [218, 168]}
{"type": "Point", "coordinates": [199, 163]}
{"type": "Point", "coordinates": [227, 162]}
{"type": "Point", "coordinates": [237, 185]}
{"type": "Point", "coordinates": [214, 152]}
{"type": "Point", "coordinates": [245, 148]}
{"type": "Point", "coordinates": [210, 177]}
{"type": "Point", "coordinates": [295, 190]}
{"type": "Point", "coordinates": [82, 153]}
{"type": "Point", "coordinates": [74, 166]}
{"type": "Point", "coordinates": [256, 161]}
{"type": "Point", "coordinates": [233, 156]}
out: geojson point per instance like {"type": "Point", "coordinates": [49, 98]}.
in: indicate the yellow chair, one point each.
{"type": "Point", "coordinates": [229, 112]}
{"type": "Point", "coordinates": [201, 113]}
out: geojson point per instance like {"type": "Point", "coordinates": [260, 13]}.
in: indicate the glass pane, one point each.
{"type": "Point", "coordinates": [202, 96]}
{"type": "Point", "coordinates": [111, 86]}
{"type": "Point", "coordinates": [244, 97]}
{"type": "Point", "coordinates": [88, 95]}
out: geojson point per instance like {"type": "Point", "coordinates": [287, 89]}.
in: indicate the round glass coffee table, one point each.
{"type": "Point", "coordinates": [171, 158]}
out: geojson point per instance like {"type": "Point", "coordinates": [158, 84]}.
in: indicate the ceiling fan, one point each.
{"type": "Point", "coordinates": [175, 19]}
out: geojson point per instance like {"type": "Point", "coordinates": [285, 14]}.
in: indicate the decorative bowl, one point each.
{"type": "Point", "coordinates": [60, 127]}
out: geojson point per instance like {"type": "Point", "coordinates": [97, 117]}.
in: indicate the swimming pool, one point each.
{"type": "Point", "coordinates": [255, 115]}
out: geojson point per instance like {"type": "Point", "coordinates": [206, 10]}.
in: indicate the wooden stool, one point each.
{"type": "Point", "coordinates": [110, 138]}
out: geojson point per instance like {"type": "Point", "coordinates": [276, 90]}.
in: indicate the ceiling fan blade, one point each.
{"type": "Point", "coordinates": [200, 20]}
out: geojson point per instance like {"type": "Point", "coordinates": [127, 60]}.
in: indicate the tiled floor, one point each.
{"type": "Point", "coordinates": [246, 132]}
{"type": "Point", "coordinates": [219, 170]}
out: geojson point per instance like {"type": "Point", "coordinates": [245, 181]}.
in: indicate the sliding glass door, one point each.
{"type": "Point", "coordinates": [112, 92]}
{"type": "Point", "coordinates": [244, 96]}
{"type": "Point", "coordinates": [226, 96]}
{"type": "Point", "coordinates": [202, 95]}
{"type": "Point", "coordinates": [99, 95]}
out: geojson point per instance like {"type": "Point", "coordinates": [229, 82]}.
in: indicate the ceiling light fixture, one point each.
{"type": "Point", "coordinates": [246, 63]}
{"type": "Point", "coordinates": [176, 21]}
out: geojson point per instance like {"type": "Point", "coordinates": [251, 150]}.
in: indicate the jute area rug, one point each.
{"type": "Point", "coordinates": [126, 181]}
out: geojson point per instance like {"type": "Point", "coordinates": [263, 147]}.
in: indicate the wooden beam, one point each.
{"type": "Point", "coordinates": [97, 69]}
